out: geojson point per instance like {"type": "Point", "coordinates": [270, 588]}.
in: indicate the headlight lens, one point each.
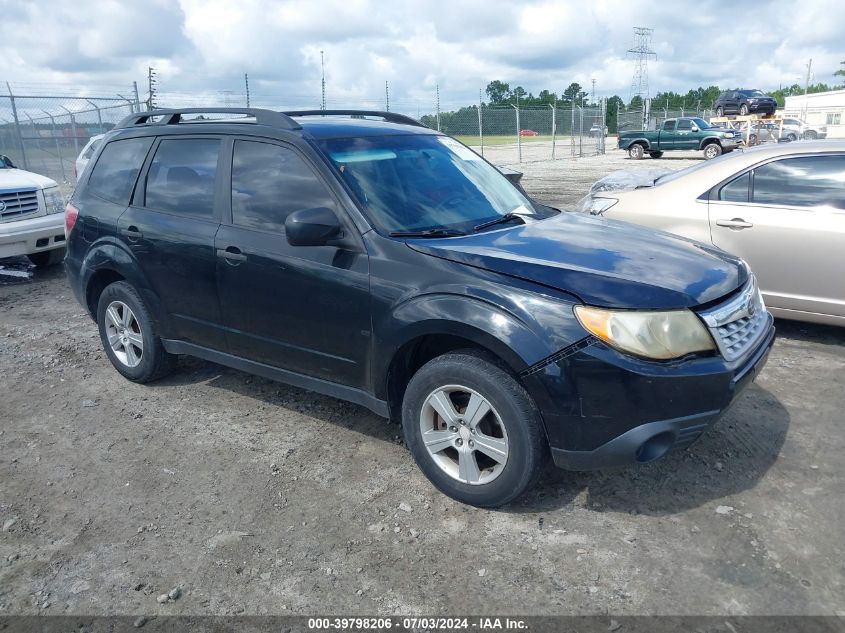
{"type": "Point", "coordinates": [53, 200]}
{"type": "Point", "coordinates": [656, 335]}
{"type": "Point", "coordinates": [600, 205]}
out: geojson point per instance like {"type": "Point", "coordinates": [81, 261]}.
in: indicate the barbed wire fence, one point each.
{"type": "Point", "coordinates": [651, 117]}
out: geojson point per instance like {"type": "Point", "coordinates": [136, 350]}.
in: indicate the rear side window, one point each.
{"type": "Point", "coordinates": [684, 124]}
{"type": "Point", "coordinates": [181, 177]}
{"type": "Point", "coordinates": [736, 190]}
{"type": "Point", "coordinates": [114, 175]}
{"type": "Point", "coordinates": [808, 181]}
{"type": "Point", "coordinates": [269, 182]}
{"type": "Point", "coordinates": [88, 153]}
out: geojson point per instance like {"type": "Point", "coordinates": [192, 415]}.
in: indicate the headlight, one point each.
{"type": "Point", "coordinates": [53, 200]}
{"type": "Point", "coordinates": [657, 335]}
{"type": "Point", "coordinates": [598, 206]}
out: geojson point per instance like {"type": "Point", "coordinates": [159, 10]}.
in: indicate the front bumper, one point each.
{"type": "Point", "coordinates": [605, 409]}
{"type": "Point", "coordinates": [32, 235]}
{"type": "Point", "coordinates": [765, 107]}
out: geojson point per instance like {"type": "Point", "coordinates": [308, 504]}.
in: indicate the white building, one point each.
{"type": "Point", "coordinates": [820, 108]}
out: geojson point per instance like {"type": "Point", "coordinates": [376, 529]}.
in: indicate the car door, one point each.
{"type": "Point", "coordinates": [170, 228]}
{"type": "Point", "coordinates": [305, 309]}
{"type": "Point", "coordinates": [684, 136]}
{"type": "Point", "coordinates": [667, 134]}
{"type": "Point", "coordinates": [786, 218]}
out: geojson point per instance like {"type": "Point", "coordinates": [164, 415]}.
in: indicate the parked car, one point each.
{"type": "Point", "coordinates": [365, 256]}
{"type": "Point", "coordinates": [598, 130]}
{"type": "Point", "coordinates": [744, 102]}
{"type": "Point", "coordinates": [781, 207]}
{"type": "Point", "coordinates": [528, 133]}
{"type": "Point", "coordinates": [795, 129]}
{"type": "Point", "coordinates": [86, 154]}
{"type": "Point", "coordinates": [31, 215]}
{"type": "Point", "coordinates": [686, 133]}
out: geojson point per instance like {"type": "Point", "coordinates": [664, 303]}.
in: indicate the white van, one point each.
{"type": "Point", "coordinates": [32, 220]}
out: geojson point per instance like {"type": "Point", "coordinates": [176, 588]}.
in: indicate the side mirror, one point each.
{"type": "Point", "coordinates": [313, 227]}
{"type": "Point", "coordinates": [695, 128]}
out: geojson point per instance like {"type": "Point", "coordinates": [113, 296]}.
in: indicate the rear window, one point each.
{"type": "Point", "coordinates": [181, 177]}
{"type": "Point", "coordinates": [114, 175]}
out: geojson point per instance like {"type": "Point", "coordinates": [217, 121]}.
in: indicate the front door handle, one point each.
{"type": "Point", "coordinates": [735, 223]}
{"type": "Point", "coordinates": [232, 254]}
{"type": "Point", "coordinates": [132, 231]}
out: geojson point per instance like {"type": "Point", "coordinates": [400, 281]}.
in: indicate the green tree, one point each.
{"type": "Point", "coordinates": [498, 92]}
{"type": "Point", "coordinates": [841, 71]}
{"type": "Point", "coordinates": [571, 94]}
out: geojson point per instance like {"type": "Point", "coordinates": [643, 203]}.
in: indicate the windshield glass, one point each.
{"type": "Point", "coordinates": [701, 123]}
{"type": "Point", "coordinates": [753, 93]}
{"type": "Point", "coordinates": [423, 182]}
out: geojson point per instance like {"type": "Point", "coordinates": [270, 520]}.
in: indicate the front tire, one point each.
{"type": "Point", "coordinates": [719, 111]}
{"type": "Point", "coordinates": [636, 151]}
{"type": "Point", "coordinates": [655, 154]}
{"type": "Point", "coordinates": [712, 150]}
{"type": "Point", "coordinates": [810, 135]}
{"type": "Point", "coordinates": [791, 137]}
{"type": "Point", "coordinates": [473, 429]}
{"type": "Point", "coordinates": [47, 258]}
{"type": "Point", "coordinates": [743, 110]}
{"type": "Point", "coordinates": [129, 337]}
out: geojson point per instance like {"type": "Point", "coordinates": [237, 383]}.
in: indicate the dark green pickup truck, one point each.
{"type": "Point", "coordinates": [684, 133]}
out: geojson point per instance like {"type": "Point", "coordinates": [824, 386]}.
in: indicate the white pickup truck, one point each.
{"type": "Point", "coordinates": [31, 216]}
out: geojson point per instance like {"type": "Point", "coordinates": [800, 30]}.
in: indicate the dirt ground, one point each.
{"type": "Point", "coordinates": [253, 497]}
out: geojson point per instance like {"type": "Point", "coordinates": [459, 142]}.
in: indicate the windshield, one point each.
{"type": "Point", "coordinates": [753, 93]}
{"type": "Point", "coordinates": [423, 182]}
{"type": "Point", "coordinates": [701, 123]}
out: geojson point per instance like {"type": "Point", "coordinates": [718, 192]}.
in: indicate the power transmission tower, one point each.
{"type": "Point", "coordinates": [641, 52]}
{"type": "Point", "coordinates": [323, 81]}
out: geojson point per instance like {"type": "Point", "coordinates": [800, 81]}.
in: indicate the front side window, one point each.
{"type": "Point", "coordinates": [806, 181]}
{"type": "Point", "coordinates": [420, 182]}
{"type": "Point", "coordinates": [114, 175]}
{"type": "Point", "coordinates": [684, 124]}
{"type": "Point", "coordinates": [181, 177]}
{"type": "Point", "coordinates": [269, 182]}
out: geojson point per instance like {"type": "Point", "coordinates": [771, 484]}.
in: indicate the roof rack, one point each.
{"type": "Point", "coordinates": [392, 117]}
{"type": "Point", "coordinates": [262, 116]}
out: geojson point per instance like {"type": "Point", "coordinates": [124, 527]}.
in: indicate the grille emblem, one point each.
{"type": "Point", "coordinates": [2, 206]}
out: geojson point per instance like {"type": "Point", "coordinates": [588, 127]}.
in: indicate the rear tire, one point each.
{"type": "Point", "coordinates": [128, 333]}
{"type": "Point", "coordinates": [791, 137]}
{"type": "Point", "coordinates": [636, 151]}
{"type": "Point", "coordinates": [719, 111]}
{"type": "Point", "coordinates": [810, 135]}
{"type": "Point", "coordinates": [655, 154]}
{"type": "Point", "coordinates": [47, 258]}
{"type": "Point", "coordinates": [502, 450]}
{"type": "Point", "coordinates": [712, 150]}
{"type": "Point", "coordinates": [743, 110]}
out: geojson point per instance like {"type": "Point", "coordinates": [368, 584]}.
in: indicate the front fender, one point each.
{"type": "Point", "coordinates": [709, 139]}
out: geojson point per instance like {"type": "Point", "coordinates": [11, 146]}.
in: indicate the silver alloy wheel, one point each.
{"type": "Point", "coordinates": [710, 151]}
{"type": "Point", "coordinates": [124, 334]}
{"type": "Point", "coordinates": [464, 434]}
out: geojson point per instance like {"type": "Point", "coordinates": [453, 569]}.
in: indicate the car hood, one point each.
{"type": "Point", "coordinates": [12, 179]}
{"type": "Point", "coordinates": [622, 180]}
{"type": "Point", "coordinates": [603, 262]}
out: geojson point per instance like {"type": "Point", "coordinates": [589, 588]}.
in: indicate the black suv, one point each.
{"type": "Point", "coordinates": [744, 102]}
{"type": "Point", "coordinates": [365, 256]}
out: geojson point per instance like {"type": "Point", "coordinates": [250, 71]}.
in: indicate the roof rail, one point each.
{"type": "Point", "coordinates": [262, 116]}
{"type": "Point", "coordinates": [392, 117]}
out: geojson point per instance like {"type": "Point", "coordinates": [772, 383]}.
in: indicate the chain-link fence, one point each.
{"type": "Point", "coordinates": [45, 134]}
{"type": "Point", "coordinates": [651, 118]}
{"type": "Point", "coordinates": [507, 135]}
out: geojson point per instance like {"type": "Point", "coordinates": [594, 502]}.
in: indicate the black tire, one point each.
{"type": "Point", "coordinates": [810, 135]}
{"type": "Point", "coordinates": [47, 258]}
{"type": "Point", "coordinates": [743, 110]}
{"type": "Point", "coordinates": [752, 140]}
{"type": "Point", "coordinates": [720, 111]}
{"type": "Point", "coordinates": [526, 442]}
{"type": "Point", "coordinates": [636, 151]}
{"type": "Point", "coordinates": [791, 137]}
{"type": "Point", "coordinates": [655, 154]}
{"type": "Point", "coordinates": [712, 150]}
{"type": "Point", "coordinates": [155, 361]}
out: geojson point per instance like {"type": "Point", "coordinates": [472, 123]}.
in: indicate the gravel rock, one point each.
{"type": "Point", "coordinates": [8, 523]}
{"type": "Point", "coordinates": [482, 572]}
{"type": "Point", "coordinates": [139, 622]}
{"type": "Point", "coordinates": [724, 509]}
{"type": "Point", "coordinates": [405, 507]}
{"type": "Point", "coordinates": [163, 598]}
{"type": "Point", "coordinates": [614, 626]}
{"type": "Point", "coordinates": [175, 593]}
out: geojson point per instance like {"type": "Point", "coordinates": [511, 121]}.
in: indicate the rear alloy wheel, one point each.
{"type": "Point", "coordinates": [636, 151]}
{"type": "Point", "coordinates": [47, 258]}
{"type": "Point", "coordinates": [655, 154]}
{"type": "Point", "coordinates": [810, 135]}
{"type": "Point", "coordinates": [743, 110]}
{"type": "Point", "coordinates": [712, 150]}
{"type": "Point", "coordinates": [126, 329]}
{"type": "Point", "coordinates": [473, 429]}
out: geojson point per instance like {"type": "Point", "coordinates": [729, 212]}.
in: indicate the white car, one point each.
{"type": "Point", "coordinates": [85, 155]}
{"type": "Point", "coordinates": [32, 220]}
{"type": "Point", "coordinates": [781, 207]}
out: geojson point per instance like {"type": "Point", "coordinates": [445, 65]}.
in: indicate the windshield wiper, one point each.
{"type": "Point", "coordinates": [500, 220]}
{"type": "Point", "coordinates": [428, 233]}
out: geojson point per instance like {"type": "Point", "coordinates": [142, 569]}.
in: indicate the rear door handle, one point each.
{"type": "Point", "coordinates": [132, 231]}
{"type": "Point", "coordinates": [735, 223]}
{"type": "Point", "coordinates": [232, 254]}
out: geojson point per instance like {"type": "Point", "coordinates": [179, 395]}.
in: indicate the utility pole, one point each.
{"type": "Point", "coordinates": [386, 97]}
{"type": "Point", "coordinates": [322, 81]}
{"type": "Point", "coordinates": [246, 85]}
{"type": "Point", "coordinates": [806, 88]}
{"type": "Point", "coordinates": [151, 85]}
{"type": "Point", "coordinates": [137, 106]}
{"type": "Point", "coordinates": [437, 104]}
{"type": "Point", "coordinates": [593, 96]}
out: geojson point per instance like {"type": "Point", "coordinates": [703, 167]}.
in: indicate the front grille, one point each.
{"type": "Point", "coordinates": [14, 204]}
{"type": "Point", "coordinates": [738, 324]}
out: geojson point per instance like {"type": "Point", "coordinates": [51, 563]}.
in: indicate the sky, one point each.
{"type": "Point", "coordinates": [202, 48]}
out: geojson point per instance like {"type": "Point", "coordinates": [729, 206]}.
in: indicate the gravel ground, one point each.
{"type": "Point", "coordinates": [253, 497]}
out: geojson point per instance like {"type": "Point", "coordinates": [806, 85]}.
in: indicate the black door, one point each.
{"type": "Point", "coordinates": [301, 308]}
{"type": "Point", "coordinates": [170, 228]}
